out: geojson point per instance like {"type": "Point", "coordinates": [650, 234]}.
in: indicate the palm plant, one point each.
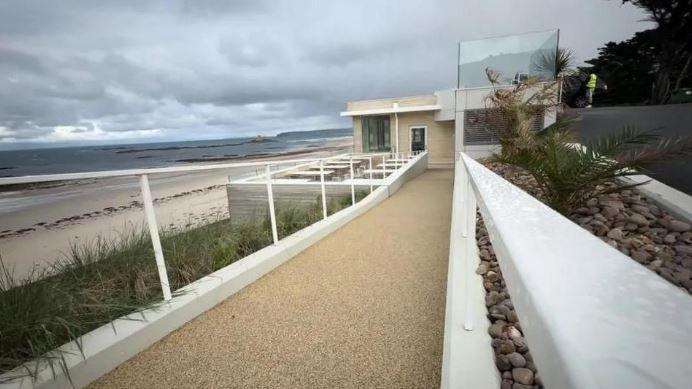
{"type": "Point", "coordinates": [568, 173]}
{"type": "Point", "coordinates": [516, 108]}
{"type": "Point", "coordinates": [558, 62]}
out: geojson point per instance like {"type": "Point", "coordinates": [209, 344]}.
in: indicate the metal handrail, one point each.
{"type": "Point", "coordinates": [148, 203]}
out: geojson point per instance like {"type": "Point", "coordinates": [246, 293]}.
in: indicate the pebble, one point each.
{"type": "Point", "coordinates": [521, 386]}
{"type": "Point", "coordinates": [496, 329]}
{"type": "Point", "coordinates": [616, 234]}
{"type": "Point", "coordinates": [513, 333]}
{"type": "Point", "coordinates": [482, 269]}
{"type": "Point", "coordinates": [502, 363]}
{"type": "Point", "coordinates": [642, 209]}
{"type": "Point", "coordinates": [678, 226]}
{"type": "Point", "coordinates": [516, 359]}
{"type": "Point", "coordinates": [638, 220]}
{"type": "Point", "coordinates": [491, 276]}
{"type": "Point", "coordinates": [507, 347]}
{"type": "Point", "coordinates": [522, 375]}
{"type": "Point", "coordinates": [670, 238]}
{"type": "Point", "coordinates": [609, 212]}
{"type": "Point", "coordinates": [641, 256]}
{"type": "Point", "coordinates": [492, 298]}
{"type": "Point", "coordinates": [683, 250]}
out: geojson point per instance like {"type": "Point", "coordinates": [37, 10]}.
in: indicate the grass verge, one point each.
{"type": "Point", "coordinates": [94, 284]}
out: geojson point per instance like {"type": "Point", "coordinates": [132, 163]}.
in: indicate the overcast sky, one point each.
{"type": "Point", "coordinates": [115, 71]}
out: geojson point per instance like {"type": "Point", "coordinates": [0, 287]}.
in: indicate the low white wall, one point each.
{"type": "Point", "coordinates": [467, 358]}
{"type": "Point", "coordinates": [414, 168]}
{"type": "Point", "coordinates": [677, 203]}
{"type": "Point", "coordinates": [105, 349]}
{"type": "Point", "coordinates": [592, 317]}
{"type": "Point", "coordinates": [482, 151]}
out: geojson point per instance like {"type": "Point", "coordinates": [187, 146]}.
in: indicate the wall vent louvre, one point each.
{"type": "Point", "coordinates": [485, 126]}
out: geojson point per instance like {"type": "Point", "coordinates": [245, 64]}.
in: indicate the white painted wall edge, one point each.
{"type": "Point", "coordinates": [481, 151]}
{"type": "Point", "coordinates": [677, 203]}
{"type": "Point", "coordinates": [593, 317]}
{"type": "Point", "coordinates": [468, 360]}
{"type": "Point", "coordinates": [415, 167]}
{"type": "Point", "coordinates": [105, 349]}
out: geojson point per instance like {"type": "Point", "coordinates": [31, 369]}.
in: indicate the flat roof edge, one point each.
{"type": "Point", "coordinates": [381, 111]}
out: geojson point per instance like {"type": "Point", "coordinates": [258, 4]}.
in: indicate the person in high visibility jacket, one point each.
{"type": "Point", "coordinates": [590, 88]}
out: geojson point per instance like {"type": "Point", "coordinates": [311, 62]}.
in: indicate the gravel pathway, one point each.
{"type": "Point", "coordinates": [364, 307]}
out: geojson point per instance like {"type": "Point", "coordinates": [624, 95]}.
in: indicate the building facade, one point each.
{"type": "Point", "coordinates": [441, 123]}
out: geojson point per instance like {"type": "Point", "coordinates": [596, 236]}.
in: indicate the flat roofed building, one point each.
{"type": "Point", "coordinates": [440, 123]}
{"type": "Point", "coordinates": [459, 119]}
{"type": "Point", "coordinates": [404, 125]}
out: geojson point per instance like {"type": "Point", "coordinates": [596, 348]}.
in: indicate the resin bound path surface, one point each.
{"type": "Point", "coordinates": [363, 307]}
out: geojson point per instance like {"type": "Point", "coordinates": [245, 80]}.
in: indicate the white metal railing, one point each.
{"type": "Point", "coordinates": [266, 166]}
{"type": "Point", "coordinates": [593, 317]}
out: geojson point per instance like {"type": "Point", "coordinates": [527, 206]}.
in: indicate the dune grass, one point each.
{"type": "Point", "coordinates": [94, 284]}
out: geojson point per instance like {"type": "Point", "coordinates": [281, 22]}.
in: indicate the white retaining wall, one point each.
{"type": "Point", "coordinates": [467, 358]}
{"type": "Point", "coordinates": [677, 203]}
{"type": "Point", "coordinates": [593, 317]}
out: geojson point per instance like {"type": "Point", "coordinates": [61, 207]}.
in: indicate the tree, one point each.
{"type": "Point", "coordinates": [673, 39]}
{"type": "Point", "coordinates": [628, 69]}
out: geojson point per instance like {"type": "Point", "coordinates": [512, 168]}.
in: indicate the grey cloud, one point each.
{"type": "Point", "coordinates": [213, 68]}
{"type": "Point", "coordinates": [221, 8]}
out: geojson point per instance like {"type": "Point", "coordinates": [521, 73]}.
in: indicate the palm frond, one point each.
{"type": "Point", "coordinates": [610, 144]}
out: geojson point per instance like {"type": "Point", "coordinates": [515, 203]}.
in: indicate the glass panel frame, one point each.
{"type": "Point", "coordinates": [514, 57]}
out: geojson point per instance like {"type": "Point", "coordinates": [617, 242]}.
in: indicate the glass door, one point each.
{"type": "Point", "coordinates": [418, 140]}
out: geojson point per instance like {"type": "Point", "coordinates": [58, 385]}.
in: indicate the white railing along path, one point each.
{"type": "Point", "coordinates": [148, 203]}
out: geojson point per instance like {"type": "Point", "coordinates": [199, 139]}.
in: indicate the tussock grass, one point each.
{"type": "Point", "coordinates": [96, 283]}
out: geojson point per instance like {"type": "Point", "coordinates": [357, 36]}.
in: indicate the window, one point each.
{"type": "Point", "coordinates": [376, 133]}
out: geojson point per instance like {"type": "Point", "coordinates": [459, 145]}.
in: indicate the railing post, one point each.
{"type": "Point", "coordinates": [353, 188]}
{"type": "Point", "coordinates": [465, 197]}
{"type": "Point", "coordinates": [470, 249]}
{"type": "Point", "coordinates": [370, 170]}
{"type": "Point", "coordinates": [154, 233]}
{"type": "Point", "coordinates": [324, 192]}
{"type": "Point", "coordinates": [270, 199]}
{"type": "Point", "coordinates": [384, 166]}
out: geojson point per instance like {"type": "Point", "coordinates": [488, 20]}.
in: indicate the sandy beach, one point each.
{"type": "Point", "coordinates": [38, 226]}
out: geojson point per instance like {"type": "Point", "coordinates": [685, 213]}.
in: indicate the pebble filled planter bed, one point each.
{"type": "Point", "coordinates": [512, 356]}
{"type": "Point", "coordinates": [626, 220]}
{"type": "Point", "coordinates": [631, 223]}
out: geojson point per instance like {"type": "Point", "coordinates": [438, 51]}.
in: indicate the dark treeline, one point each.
{"type": "Point", "coordinates": [654, 66]}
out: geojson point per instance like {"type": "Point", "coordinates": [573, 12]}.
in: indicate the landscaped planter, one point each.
{"type": "Point", "coordinates": [631, 223]}
{"type": "Point", "coordinates": [512, 356]}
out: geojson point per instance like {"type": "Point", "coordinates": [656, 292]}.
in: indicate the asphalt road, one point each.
{"type": "Point", "coordinates": [667, 120]}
